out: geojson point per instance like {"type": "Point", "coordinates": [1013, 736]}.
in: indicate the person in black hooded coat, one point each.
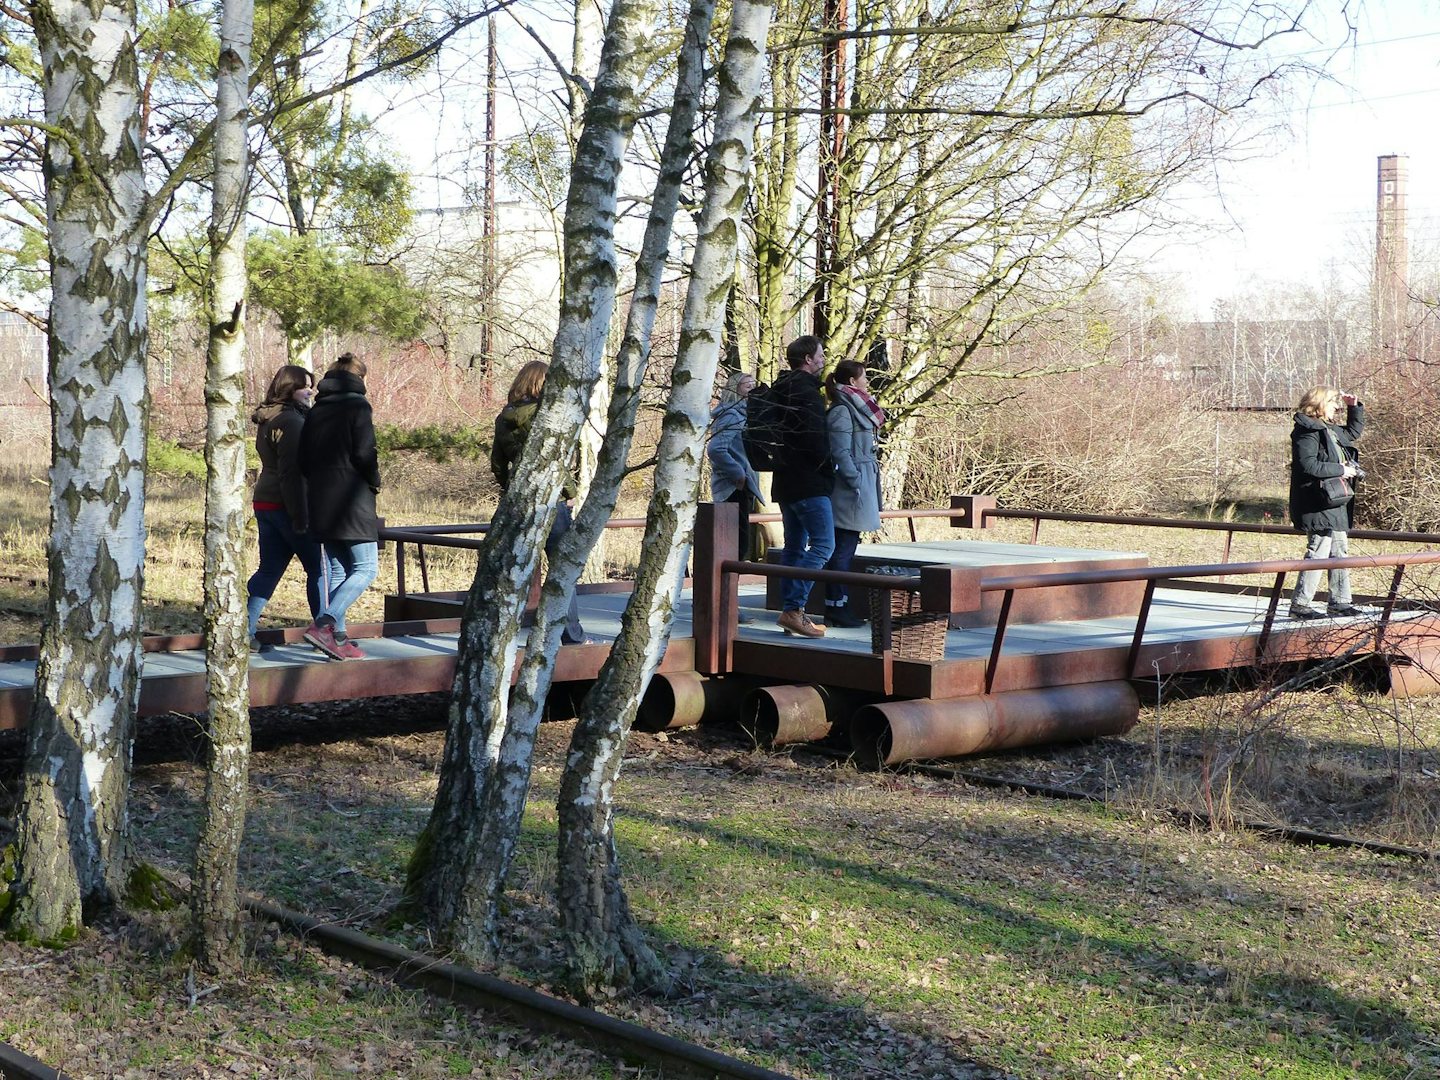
{"type": "Point", "coordinates": [1321, 448]}
{"type": "Point", "coordinates": [342, 474]}
{"type": "Point", "coordinates": [281, 512]}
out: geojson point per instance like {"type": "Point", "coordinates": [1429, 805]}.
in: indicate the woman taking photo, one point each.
{"type": "Point", "coordinates": [1322, 449]}
{"type": "Point", "coordinates": [853, 421]}
{"type": "Point", "coordinates": [279, 500]}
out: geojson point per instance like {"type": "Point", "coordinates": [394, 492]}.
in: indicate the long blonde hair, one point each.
{"type": "Point", "coordinates": [1319, 402]}
{"type": "Point", "coordinates": [731, 394]}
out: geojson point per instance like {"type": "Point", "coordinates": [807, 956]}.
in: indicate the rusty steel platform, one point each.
{"type": "Point", "coordinates": [1023, 618]}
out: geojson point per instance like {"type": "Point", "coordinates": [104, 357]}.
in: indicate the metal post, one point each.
{"type": "Point", "coordinates": [1140, 628]}
{"type": "Point", "coordinates": [994, 661]}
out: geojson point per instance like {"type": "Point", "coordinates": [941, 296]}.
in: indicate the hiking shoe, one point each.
{"type": "Point", "coordinates": [323, 638]}
{"type": "Point", "coordinates": [258, 646]}
{"type": "Point", "coordinates": [346, 649]}
{"type": "Point", "coordinates": [1307, 613]}
{"type": "Point", "coordinates": [843, 617]}
{"type": "Point", "coordinates": [1347, 611]}
{"type": "Point", "coordinates": [795, 621]}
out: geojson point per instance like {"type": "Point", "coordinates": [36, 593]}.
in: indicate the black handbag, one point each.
{"type": "Point", "coordinates": [1335, 491]}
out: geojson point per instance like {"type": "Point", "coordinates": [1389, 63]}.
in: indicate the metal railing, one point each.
{"type": "Point", "coordinates": [1229, 528]}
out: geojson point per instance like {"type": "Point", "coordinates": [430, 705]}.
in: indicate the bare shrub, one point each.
{"type": "Point", "coordinates": [1110, 440]}
{"type": "Point", "coordinates": [1401, 455]}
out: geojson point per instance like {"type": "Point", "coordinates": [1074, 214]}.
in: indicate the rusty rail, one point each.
{"type": "Point", "coordinates": [1153, 574]}
{"type": "Point", "coordinates": [1229, 528]}
{"type": "Point", "coordinates": [461, 537]}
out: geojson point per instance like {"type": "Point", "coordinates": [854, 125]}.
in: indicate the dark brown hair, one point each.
{"type": "Point", "coordinates": [845, 372]}
{"type": "Point", "coordinates": [348, 363]}
{"type": "Point", "coordinates": [801, 349]}
{"type": "Point", "coordinates": [529, 381]}
{"type": "Point", "coordinates": [287, 380]}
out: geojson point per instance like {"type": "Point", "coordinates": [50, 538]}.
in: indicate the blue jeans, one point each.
{"type": "Point", "coordinates": [279, 542]}
{"type": "Point", "coordinates": [349, 570]}
{"type": "Point", "coordinates": [846, 541]}
{"type": "Point", "coordinates": [809, 540]}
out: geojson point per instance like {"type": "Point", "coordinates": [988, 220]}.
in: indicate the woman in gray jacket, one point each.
{"type": "Point", "coordinates": [854, 422]}
{"type": "Point", "coordinates": [731, 477]}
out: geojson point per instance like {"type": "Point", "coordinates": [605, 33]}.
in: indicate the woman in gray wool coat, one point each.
{"type": "Point", "coordinates": [731, 477]}
{"type": "Point", "coordinates": [854, 422]}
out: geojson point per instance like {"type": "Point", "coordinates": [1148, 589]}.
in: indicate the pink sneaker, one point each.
{"type": "Point", "coordinates": [323, 638]}
{"type": "Point", "coordinates": [345, 649]}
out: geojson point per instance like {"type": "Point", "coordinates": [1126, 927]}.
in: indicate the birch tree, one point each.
{"type": "Point", "coordinates": [603, 944]}
{"type": "Point", "coordinates": [996, 164]}
{"type": "Point", "coordinates": [445, 879]}
{"type": "Point", "coordinates": [499, 821]}
{"type": "Point", "coordinates": [214, 896]}
{"type": "Point", "coordinates": [71, 847]}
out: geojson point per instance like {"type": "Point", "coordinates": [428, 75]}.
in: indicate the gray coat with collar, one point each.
{"type": "Point", "coordinates": [853, 435]}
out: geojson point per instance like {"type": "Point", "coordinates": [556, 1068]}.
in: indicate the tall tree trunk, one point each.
{"type": "Point", "coordinates": [214, 895]}
{"type": "Point", "coordinates": [504, 806]}
{"type": "Point", "coordinates": [603, 944]}
{"type": "Point", "coordinates": [72, 830]}
{"type": "Point", "coordinates": [444, 879]}
{"type": "Point", "coordinates": [771, 226]}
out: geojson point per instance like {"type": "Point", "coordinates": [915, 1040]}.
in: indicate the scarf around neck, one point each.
{"type": "Point", "coordinates": [868, 403]}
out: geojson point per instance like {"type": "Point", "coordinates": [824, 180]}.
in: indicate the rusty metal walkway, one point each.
{"type": "Point", "coordinates": [1023, 619]}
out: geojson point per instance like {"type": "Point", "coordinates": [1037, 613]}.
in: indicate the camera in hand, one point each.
{"type": "Point", "coordinates": [1359, 472]}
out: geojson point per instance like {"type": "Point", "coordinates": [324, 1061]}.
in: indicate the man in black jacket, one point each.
{"type": "Point", "coordinates": [804, 477]}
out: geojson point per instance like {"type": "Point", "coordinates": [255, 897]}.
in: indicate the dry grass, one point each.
{"type": "Point", "coordinates": [822, 922]}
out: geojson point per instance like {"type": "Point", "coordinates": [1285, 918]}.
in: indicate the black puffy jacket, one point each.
{"type": "Point", "coordinates": [803, 465]}
{"type": "Point", "coordinates": [340, 462]}
{"type": "Point", "coordinates": [1312, 459]}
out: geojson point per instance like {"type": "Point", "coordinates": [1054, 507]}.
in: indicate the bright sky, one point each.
{"type": "Point", "coordinates": [1299, 210]}
{"type": "Point", "coordinates": [1304, 210]}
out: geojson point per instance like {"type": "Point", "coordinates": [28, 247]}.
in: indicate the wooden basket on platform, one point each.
{"type": "Point", "coordinates": [914, 634]}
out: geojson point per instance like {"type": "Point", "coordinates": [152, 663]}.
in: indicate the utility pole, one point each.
{"type": "Point", "coordinates": [487, 236]}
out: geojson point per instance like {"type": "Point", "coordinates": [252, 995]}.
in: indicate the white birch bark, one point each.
{"type": "Point", "coordinates": [603, 944]}
{"type": "Point", "coordinates": [444, 870]}
{"type": "Point", "coordinates": [504, 805]}
{"type": "Point", "coordinates": [214, 897]}
{"type": "Point", "coordinates": [72, 842]}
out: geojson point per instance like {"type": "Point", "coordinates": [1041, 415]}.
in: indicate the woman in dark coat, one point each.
{"type": "Point", "coordinates": [342, 474]}
{"type": "Point", "coordinates": [281, 515]}
{"type": "Point", "coordinates": [512, 427]}
{"type": "Point", "coordinates": [1320, 448]}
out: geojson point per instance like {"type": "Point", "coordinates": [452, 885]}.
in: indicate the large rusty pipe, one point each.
{"type": "Point", "coordinates": [672, 700]}
{"type": "Point", "coordinates": [1414, 671]}
{"type": "Point", "coordinates": [781, 715]}
{"type": "Point", "coordinates": [678, 699]}
{"type": "Point", "coordinates": [888, 733]}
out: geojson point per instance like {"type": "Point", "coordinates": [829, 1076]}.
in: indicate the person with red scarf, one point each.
{"type": "Point", "coordinates": [853, 422]}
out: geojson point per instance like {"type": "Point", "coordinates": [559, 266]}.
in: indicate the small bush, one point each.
{"type": "Point", "coordinates": [171, 459]}
{"type": "Point", "coordinates": [433, 441]}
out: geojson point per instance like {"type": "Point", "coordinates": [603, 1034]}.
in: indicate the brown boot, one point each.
{"type": "Point", "coordinates": [795, 621]}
